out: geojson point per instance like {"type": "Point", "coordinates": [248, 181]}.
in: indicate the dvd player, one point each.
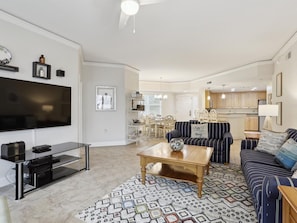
{"type": "Point", "coordinates": [41, 148]}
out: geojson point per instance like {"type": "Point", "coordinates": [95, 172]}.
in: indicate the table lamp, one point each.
{"type": "Point", "coordinates": [268, 110]}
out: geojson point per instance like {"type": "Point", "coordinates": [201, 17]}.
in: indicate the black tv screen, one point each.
{"type": "Point", "coordinates": [30, 105]}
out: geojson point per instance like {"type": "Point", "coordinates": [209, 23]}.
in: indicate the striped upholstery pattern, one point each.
{"type": "Point", "coordinates": [272, 198]}
{"type": "Point", "coordinates": [249, 143]}
{"type": "Point", "coordinates": [184, 128]}
{"type": "Point", "coordinates": [263, 175]}
{"type": "Point", "coordinates": [219, 137]}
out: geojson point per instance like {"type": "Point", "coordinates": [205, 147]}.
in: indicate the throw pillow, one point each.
{"type": "Point", "coordinates": [294, 175]}
{"type": "Point", "coordinates": [199, 130]}
{"type": "Point", "coordinates": [270, 142]}
{"type": "Point", "coordinates": [287, 155]}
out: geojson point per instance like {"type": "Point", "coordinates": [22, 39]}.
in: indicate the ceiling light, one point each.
{"type": "Point", "coordinates": [223, 96]}
{"type": "Point", "coordinates": [233, 89]}
{"type": "Point", "coordinates": [160, 96]}
{"type": "Point", "coordinates": [253, 89]}
{"type": "Point", "coordinates": [130, 7]}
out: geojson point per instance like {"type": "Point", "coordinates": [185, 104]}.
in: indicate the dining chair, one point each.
{"type": "Point", "coordinates": [204, 116]}
{"type": "Point", "coordinates": [167, 125]}
{"type": "Point", "coordinates": [213, 116]}
{"type": "Point", "coordinates": [149, 125]}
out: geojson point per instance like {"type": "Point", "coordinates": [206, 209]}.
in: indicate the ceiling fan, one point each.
{"type": "Point", "coordinates": [130, 8]}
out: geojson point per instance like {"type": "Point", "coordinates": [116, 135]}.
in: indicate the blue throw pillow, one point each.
{"type": "Point", "coordinates": [287, 155]}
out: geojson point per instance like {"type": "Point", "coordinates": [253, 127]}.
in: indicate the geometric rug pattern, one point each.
{"type": "Point", "coordinates": [225, 199]}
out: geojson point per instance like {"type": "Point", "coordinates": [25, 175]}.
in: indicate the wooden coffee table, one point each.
{"type": "Point", "coordinates": [189, 164]}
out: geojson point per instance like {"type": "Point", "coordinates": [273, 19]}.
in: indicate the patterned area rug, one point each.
{"type": "Point", "coordinates": [225, 198]}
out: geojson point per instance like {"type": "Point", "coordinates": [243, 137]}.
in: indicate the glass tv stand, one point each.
{"type": "Point", "coordinates": [58, 165]}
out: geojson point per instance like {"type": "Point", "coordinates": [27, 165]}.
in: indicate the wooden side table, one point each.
{"type": "Point", "coordinates": [289, 204]}
{"type": "Point", "coordinates": [252, 135]}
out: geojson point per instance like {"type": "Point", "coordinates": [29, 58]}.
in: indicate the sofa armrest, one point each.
{"type": "Point", "coordinates": [249, 143]}
{"type": "Point", "coordinates": [272, 199]}
{"type": "Point", "coordinates": [228, 138]}
{"type": "Point", "coordinates": [270, 184]}
{"type": "Point", "coordinates": [173, 134]}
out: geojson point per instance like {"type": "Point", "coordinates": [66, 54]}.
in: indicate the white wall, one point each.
{"type": "Point", "coordinates": [288, 68]}
{"type": "Point", "coordinates": [102, 128]}
{"type": "Point", "coordinates": [26, 43]}
{"type": "Point", "coordinates": [168, 105]}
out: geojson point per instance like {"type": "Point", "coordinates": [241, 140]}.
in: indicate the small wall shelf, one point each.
{"type": "Point", "coordinates": [41, 70]}
{"type": "Point", "coordinates": [9, 68]}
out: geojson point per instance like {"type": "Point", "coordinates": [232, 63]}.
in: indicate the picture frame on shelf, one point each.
{"type": "Point", "coordinates": [279, 85]}
{"type": "Point", "coordinates": [279, 117]}
{"type": "Point", "coordinates": [105, 98]}
{"type": "Point", "coordinates": [41, 70]}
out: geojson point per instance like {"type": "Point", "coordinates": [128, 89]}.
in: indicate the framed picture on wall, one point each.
{"type": "Point", "coordinates": [105, 98]}
{"type": "Point", "coordinates": [279, 85]}
{"type": "Point", "coordinates": [279, 117]}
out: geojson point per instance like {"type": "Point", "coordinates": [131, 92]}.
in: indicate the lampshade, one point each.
{"type": "Point", "coordinates": [130, 7]}
{"type": "Point", "coordinates": [268, 110]}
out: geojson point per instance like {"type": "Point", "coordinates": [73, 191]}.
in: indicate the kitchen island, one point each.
{"type": "Point", "coordinates": [240, 121]}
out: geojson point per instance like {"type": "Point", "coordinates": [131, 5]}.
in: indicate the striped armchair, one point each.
{"type": "Point", "coordinates": [263, 175]}
{"type": "Point", "coordinates": [219, 137]}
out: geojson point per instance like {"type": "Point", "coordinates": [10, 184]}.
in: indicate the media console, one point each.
{"type": "Point", "coordinates": [46, 167]}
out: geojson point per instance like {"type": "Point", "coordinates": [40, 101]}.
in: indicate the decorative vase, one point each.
{"type": "Point", "coordinates": [176, 144]}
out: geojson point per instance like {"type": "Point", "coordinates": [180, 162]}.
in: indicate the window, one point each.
{"type": "Point", "coordinates": [152, 105]}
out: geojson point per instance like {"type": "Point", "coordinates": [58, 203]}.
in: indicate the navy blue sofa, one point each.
{"type": "Point", "coordinates": [219, 137]}
{"type": "Point", "coordinates": [263, 175]}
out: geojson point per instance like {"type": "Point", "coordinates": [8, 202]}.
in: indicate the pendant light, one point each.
{"type": "Point", "coordinates": [223, 96]}
{"type": "Point", "coordinates": [160, 96]}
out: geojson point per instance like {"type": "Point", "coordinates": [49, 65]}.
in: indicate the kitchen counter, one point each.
{"type": "Point", "coordinates": [237, 122]}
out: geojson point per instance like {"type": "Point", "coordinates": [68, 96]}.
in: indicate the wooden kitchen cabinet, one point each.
{"type": "Point", "coordinates": [237, 99]}
{"type": "Point", "coordinates": [251, 123]}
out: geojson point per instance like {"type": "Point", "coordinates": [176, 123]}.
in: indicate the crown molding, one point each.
{"type": "Point", "coordinates": [37, 29]}
{"type": "Point", "coordinates": [285, 48]}
{"type": "Point", "coordinates": [243, 67]}
{"type": "Point", "coordinates": [110, 65]}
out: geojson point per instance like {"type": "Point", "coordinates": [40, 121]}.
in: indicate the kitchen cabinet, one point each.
{"type": "Point", "coordinates": [236, 124]}
{"type": "Point", "coordinates": [236, 99]}
{"type": "Point", "coordinates": [251, 123]}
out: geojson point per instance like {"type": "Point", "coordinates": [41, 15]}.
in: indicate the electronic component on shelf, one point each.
{"type": "Point", "coordinates": [41, 148]}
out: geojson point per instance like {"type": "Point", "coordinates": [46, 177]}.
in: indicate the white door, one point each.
{"type": "Point", "coordinates": [183, 107]}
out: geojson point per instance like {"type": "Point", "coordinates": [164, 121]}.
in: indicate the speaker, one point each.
{"type": "Point", "coordinates": [13, 151]}
{"type": "Point", "coordinates": [60, 73]}
{"type": "Point", "coordinates": [40, 171]}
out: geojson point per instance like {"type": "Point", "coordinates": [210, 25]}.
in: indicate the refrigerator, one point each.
{"type": "Point", "coordinates": [261, 118]}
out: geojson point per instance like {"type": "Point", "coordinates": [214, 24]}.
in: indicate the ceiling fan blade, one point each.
{"type": "Point", "coordinates": [149, 2]}
{"type": "Point", "coordinates": [123, 20]}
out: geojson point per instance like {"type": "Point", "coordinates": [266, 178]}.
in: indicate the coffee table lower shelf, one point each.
{"type": "Point", "coordinates": [172, 172]}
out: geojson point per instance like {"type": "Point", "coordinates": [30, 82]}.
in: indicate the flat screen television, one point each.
{"type": "Point", "coordinates": [30, 105]}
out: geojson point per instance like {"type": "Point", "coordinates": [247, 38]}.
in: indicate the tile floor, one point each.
{"type": "Point", "coordinates": [60, 201]}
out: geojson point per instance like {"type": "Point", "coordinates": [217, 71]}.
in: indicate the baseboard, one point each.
{"type": "Point", "coordinates": [108, 143]}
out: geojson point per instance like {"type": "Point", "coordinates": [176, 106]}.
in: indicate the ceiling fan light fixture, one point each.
{"type": "Point", "coordinates": [130, 7]}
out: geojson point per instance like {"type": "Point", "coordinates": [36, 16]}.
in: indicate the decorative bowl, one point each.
{"type": "Point", "coordinates": [176, 144]}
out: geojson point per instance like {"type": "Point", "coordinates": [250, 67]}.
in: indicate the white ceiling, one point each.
{"type": "Point", "coordinates": [178, 40]}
